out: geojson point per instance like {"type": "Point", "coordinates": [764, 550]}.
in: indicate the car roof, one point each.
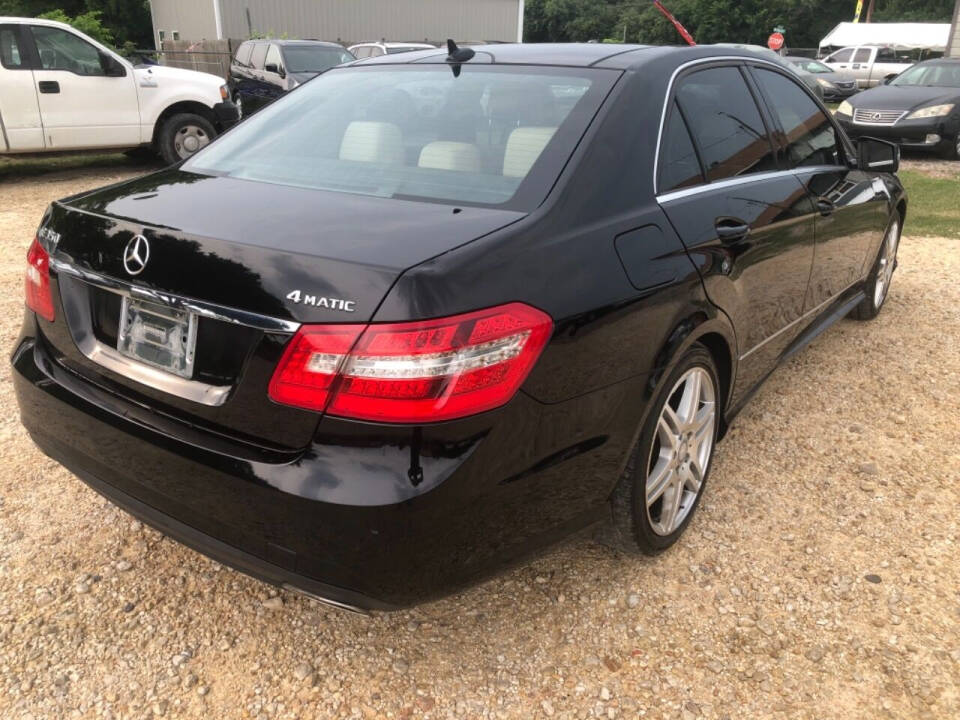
{"type": "Point", "coordinates": [296, 42]}
{"type": "Point", "coordinates": [33, 21]}
{"type": "Point", "coordinates": [604, 55]}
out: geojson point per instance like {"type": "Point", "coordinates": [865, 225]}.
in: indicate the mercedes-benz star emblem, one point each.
{"type": "Point", "coordinates": [136, 254]}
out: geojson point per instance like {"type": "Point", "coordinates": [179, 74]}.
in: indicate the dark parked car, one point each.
{"type": "Point", "coordinates": [421, 317]}
{"type": "Point", "coordinates": [919, 108]}
{"type": "Point", "coordinates": [836, 85]}
{"type": "Point", "coordinates": [263, 70]}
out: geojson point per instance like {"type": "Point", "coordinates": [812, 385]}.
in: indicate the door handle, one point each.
{"type": "Point", "coordinates": [731, 229]}
{"type": "Point", "coordinates": [49, 87]}
{"type": "Point", "coordinates": [825, 207]}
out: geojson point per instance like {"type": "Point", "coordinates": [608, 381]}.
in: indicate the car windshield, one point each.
{"type": "Point", "coordinates": [932, 75]}
{"type": "Point", "coordinates": [491, 136]}
{"type": "Point", "coordinates": [812, 66]}
{"type": "Point", "coordinates": [314, 58]}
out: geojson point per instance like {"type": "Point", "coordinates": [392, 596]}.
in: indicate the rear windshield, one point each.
{"type": "Point", "coordinates": [492, 136]}
{"type": "Point", "coordinates": [313, 58]}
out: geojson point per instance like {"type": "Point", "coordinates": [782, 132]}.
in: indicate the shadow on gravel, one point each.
{"type": "Point", "coordinates": [14, 168]}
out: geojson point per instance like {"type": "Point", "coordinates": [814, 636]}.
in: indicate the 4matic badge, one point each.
{"type": "Point", "coordinates": [319, 301]}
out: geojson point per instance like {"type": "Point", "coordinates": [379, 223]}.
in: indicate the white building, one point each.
{"type": "Point", "coordinates": [347, 21]}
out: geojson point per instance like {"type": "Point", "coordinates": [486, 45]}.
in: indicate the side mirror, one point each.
{"type": "Point", "coordinates": [889, 79]}
{"type": "Point", "coordinates": [111, 66]}
{"type": "Point", "coordinates": [275, 69]}
{"type": "Point", "coordinates": [876, 155]}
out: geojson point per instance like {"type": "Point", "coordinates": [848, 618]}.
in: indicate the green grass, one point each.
{"type": "Point", "coordinates": [933, 205]}
{"type": "Point", "coordinates": [14, 167]}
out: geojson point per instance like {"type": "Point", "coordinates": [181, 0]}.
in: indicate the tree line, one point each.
{"type": "Point", "coordinates": [711, 21]}
{"type": "Point", "coordinates": [126, 23]}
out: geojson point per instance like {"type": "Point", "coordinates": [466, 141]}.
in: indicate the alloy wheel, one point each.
{"type": "Point", "coordinates": [888, 261]}
{"type": "Point", "coordinates": [681, 451]}
{"type": "Point", "coordinates": [189, 139]}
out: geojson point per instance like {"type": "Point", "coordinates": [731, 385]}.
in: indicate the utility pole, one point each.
{"type": "Point", "coordinates": [870, 10]}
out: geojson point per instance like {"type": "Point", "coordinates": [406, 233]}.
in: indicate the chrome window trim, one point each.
{"type": "Point", "coordinates": [790, 324]}
{"type": "Point", "coordinates": [666, 104]}
{"type": "Point", "coordinates": [200, 307]}
{"type": "Point", "coordinates": [742, 180]}
{"type": "Point", "coordinates": [666, 99]}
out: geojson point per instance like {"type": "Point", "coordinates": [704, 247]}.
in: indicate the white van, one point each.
{"type": "Point", "coordinates": [61, 90]}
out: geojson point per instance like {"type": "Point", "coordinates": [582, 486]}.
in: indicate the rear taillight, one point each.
{"type": "Point", "coordinates": [423, 371]}
{"type": "Point", "coordinates": [37, 281]}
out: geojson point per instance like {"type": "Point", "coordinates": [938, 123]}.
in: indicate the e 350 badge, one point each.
{"type": "Point", "coordinates": [319, 301]}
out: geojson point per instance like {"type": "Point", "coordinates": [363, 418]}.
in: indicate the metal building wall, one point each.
{"type": "Point", "coordinates": [359, 20]}
{"type": "Point", "coordinates": [193, 19]}
{"type": "Point", "coordinates": [953, 46]}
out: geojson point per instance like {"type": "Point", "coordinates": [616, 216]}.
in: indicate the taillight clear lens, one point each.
{"type": "Point", "coordinates": [37, 281]}
{"type": "Point", "coordinates": [423, 371]}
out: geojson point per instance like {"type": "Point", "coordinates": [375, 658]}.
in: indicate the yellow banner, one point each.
{"type": "Point", "coordinates": [856, 17]}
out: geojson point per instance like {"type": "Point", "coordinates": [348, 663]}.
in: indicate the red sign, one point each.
{"type": "Point", "coordinates": [775, 41]}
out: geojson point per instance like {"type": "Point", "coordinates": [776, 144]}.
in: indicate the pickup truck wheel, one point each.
{"type": "Point", "coordinates": [182, 135]}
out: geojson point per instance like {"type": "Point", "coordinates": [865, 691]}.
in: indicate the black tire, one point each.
{"type": "Point", "coordinates": [168, 145]}
{"type": "Point", "coordinates": [631, 529]}
{"type": "Point", "coordinates": [869, 307]}
{"type": "Point", "coordinates": [951, 150]}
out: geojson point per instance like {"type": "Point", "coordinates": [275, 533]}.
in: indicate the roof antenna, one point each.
{"type": "Point", "coordinates": [456, 56]}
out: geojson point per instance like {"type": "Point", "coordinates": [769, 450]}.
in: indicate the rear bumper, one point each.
{"type": "Point", "coordinates": [368, 517]}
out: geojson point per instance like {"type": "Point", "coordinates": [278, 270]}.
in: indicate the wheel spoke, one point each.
{"type": "Point", "coordinates": [693, 478]}
{"type": "Point", "coordinates": [669, 428]}
{"type": "Point", "coordinates": [671, 506]}
{"type": "Point", "coordinates": [690, 399]}
{"type": "Point", "coordinates": [659, 480]}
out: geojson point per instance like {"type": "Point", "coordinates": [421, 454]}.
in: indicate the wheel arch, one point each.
{"type": "Point", "coordinates": [711, 328]}
{"type": "Point", "coordinates": [183, 106]}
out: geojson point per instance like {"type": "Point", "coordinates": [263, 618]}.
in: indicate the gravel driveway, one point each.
{"type": "Point", "coordinates": [819, 578]}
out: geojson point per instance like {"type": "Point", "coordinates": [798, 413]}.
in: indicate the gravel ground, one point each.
{"type": "Point", "coordinates": [819, 578]}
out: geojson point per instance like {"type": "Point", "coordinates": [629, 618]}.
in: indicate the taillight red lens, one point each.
{"type": "Point", "coordinates": [423, 371]}
{"type": "Point", "coordinates": [37, 281]}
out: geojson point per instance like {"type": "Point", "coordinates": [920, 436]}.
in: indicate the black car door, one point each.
{"type": "Point", "coordinates": [747, 224]}
{"type": "Point", "coordinates": [852, 204]}
{"type": "Point", "coordinates": [254, 97]}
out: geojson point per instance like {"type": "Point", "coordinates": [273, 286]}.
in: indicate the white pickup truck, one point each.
{"type": "Point", "coordinates": [61, 90]}
{"type": "Point", "coordinates": [869, 64]}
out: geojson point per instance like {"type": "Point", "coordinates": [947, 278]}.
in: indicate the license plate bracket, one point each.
{"type": "Point", "coordinates": [158, 335]}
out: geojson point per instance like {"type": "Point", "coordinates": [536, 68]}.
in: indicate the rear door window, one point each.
{"type": "Point", "coordinates": [258, 56]}
{"type": "Point", "coordinates": [679, 165]}
{"type": "Point", "coordinates": [361, 52]}
{"type": "Point", "coordinates": [725, 123]}
{"type": "Point", "coordinates": [862, 55]}
{"type": "Point", "coordinates": [810, 136]}
{"type": "Point", "coordinates": [12, 56]}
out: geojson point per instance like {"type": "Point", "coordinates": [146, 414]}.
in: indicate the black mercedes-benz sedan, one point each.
{"type": "Point", "coordinates": [919, 108]}
{"type": "Point", "coordinates": [429, 312]}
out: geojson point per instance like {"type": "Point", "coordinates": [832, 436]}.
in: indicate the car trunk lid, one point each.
{"type": "Point", "coordinates": [252, 261]}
